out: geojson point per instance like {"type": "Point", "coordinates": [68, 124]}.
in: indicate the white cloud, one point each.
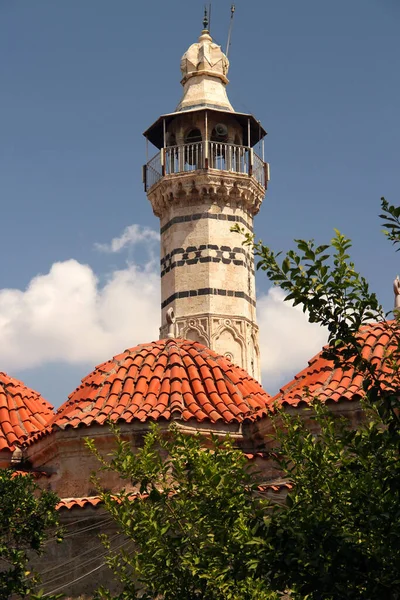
{"type": "Point", "coordinates": [66, 315]}
{"type": "Point", "coordinates": [131, 236]}
{"type": "Point", "coordinates": [287, 339]}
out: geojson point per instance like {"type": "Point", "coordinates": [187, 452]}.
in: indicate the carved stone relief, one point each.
{"type": "Point", "coordinates": [194, 329]}
{"type": "Point", "coordinates": [237, 190]}
{"type": "Point", "coordinates": [235, 338]}
{"type": "Point", "coordinates": [229, 345]}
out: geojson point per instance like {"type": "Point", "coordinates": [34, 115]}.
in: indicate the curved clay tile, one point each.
{"type": "Point", "coordinates": [23, 412]}
{"type": "Point", "coordinates": [69, 503]}
{"type": "Point", "coordinates": [97, 501]}
{"type": "Point", "coordinates": [321, 380]}
{"type": "Point", "coordinates": [167, 379]}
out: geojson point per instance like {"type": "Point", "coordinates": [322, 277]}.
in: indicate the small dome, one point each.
{"type": "Point", "coordinates": [168, 379]}
{"type": "Point", "coordinates": [322, 380]}
{"type": "Point", "coordinates": [205, 55]}
{"type": "Point", "coordinates": [23, 412]}
{"type": "Point", "coordinates": [204, 76]}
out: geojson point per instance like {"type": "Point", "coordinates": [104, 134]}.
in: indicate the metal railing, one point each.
{"type": "Point", "coordinates": [152, 172]}
{"type": "Point", "coordinates": [202, 155]}
{"type": "Point", "coordinates": [179, 159]}
{"type": "Point", "coordinates": [229, 157]}
{"type": "Point", "coordinates": [260, 170]}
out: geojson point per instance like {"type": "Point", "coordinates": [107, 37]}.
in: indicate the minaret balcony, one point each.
{"type": "Point", "coordinates": [217, 156]}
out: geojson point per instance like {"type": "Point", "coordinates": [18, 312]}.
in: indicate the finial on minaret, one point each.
{"type": "Point", "coordinates": [204, 73]}
{"type": "Point", "coordinates": [396, 289]}
{"type": "Point", "coordinates": [205, 19]}
{"type": "Point", "coordinates": [170, 317]}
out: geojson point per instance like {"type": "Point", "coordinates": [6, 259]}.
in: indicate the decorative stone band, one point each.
{"type": "Point", "coordinates": [197, 216]}
{"type": "Point", "coordinates": [208, 292]}
{"type": "Point", "coordinates": [204, 73]}
{"type": "Point", "coordinates": [206, 253]}
{"type": "Point", "coordinates": [206, 187]}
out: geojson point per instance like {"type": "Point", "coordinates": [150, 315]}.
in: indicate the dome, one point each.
{"type": "Point", "coordinates": [23, 412]}
{"type": "Point", "coordinates": [205, 56]}
{"type": "Point", "coordinates": [321, 379]}
{"type": "Point", "coordinates": [164, 380]}
{"type": "Point", "coordinates": [204, 70]}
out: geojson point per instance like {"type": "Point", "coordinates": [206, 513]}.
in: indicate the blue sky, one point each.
{"type": "Point", "coordinates": [82, 79]}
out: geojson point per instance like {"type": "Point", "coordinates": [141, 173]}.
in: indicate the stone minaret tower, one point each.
{"type": "Point", "coordinates": [205, 179]}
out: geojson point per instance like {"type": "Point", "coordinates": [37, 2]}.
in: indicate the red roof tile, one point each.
{"type": "Point", "coordinates": [69, 503]}
{"type": "Point", "coordinates": [22, 412]}
{"type": "Point", "coordinates": [95, 501]}
{"type": "Point", "coordinates": [254, 455]}
{"type": "Point", "coordinates": [170, 378]}
{"type": "Point", "coordinates": [321, 380]}
{"type": "Point", "coordinates": [34, 474]}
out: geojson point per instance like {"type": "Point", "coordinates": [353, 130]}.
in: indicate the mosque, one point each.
{"type": "Point", "coordinates": [203, 373]}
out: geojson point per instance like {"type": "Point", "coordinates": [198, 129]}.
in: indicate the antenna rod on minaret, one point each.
{"type": "Point", "coordinates": [230, 30]}
{"type": "Point", "coordinates": [205, 18]}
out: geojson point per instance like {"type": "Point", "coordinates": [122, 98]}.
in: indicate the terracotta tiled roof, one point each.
{"type": "Point", "coordinates": [95, 501]}
{"type": "Point", "coordinates": [321, 380]}
{"type": "Point", "coordinates": [255, 455]}
{"type": "Point", "coordinates": [167, 379]}
{"type": "Point", "coordinates": [22, 412]}
{"type": "Point", "coordinates": [69, 503]}
{"type": "Point", "coordinates": [34, 474]}
{"type": "Point", "coordinates": [275, 486]}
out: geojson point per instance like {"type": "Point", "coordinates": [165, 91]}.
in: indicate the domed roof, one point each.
{"type": "Point", "coordinates": [22, 412]}
{"type": "Point", "coordinates": [205, 56]}
{"type": "Point", "coordinates": [204, 70]}
{"type": "Point", "coordinates": [322, 380]}
{"type": "Point", "coordinates": [168, 379]}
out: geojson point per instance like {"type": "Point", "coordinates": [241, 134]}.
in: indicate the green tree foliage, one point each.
{"type": "Point", "coordinates": [201, 528]}
{"type": "Point", "coordinates": [340, 530]}
{"type": "Point", "coordinates": [27, 519]}
{"type": "Point", "coordinates": [194, 524]}
{"type": "Point", "coordinates": [339, 534]}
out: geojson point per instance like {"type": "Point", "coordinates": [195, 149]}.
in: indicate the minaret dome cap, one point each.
{"type": "Point", "coordinates": [204, 75]}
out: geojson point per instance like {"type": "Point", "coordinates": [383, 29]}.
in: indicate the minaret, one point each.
{"type": "Point", "coordinates": [206, 178]}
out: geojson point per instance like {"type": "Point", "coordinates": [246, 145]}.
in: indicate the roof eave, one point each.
{"type": "Point", "coordinates": [155, 132]}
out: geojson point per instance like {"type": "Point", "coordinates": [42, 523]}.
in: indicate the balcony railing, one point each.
{"type": "Point", "coordinates": [205, 155]}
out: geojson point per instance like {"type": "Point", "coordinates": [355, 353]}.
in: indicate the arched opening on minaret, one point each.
{"type": "Point", "coordinates": [193, 136]}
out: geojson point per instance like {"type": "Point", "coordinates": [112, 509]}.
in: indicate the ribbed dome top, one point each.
{"type": "Point", "coordinates": [167, 379]}
{"type": "Point", "coordinates": [204, 70]}
{"type": "Point", "coordinates": [22, 412]}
